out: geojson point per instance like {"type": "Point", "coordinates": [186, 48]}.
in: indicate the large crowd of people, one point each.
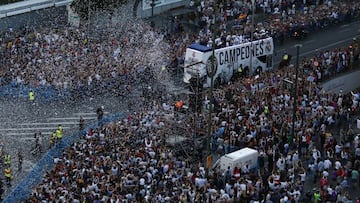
{"type": "Point", "coordinates": [284, 18]}
{"type": "Point", "coordinates": [68, 59]}
{"type": "Point", "coordinates": [129, 161]}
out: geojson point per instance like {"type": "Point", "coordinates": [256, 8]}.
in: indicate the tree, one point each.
{"type": "Point", "coordinates": [84, 7]}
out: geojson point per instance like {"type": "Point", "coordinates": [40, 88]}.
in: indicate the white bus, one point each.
{"type": "Point", "coordinates": [198, 58]}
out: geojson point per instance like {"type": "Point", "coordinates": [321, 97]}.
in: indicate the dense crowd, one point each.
{"type": "Point", "coordinates": [69, 59]}
{"type": "Point", "coordinates": [129, 161]}
{"type": "Point", "coordinates": [284, 18]}
{"type": "Point", "coordinates": [102, 167]}
{"type": "Point", "coordinates": [74, 59]}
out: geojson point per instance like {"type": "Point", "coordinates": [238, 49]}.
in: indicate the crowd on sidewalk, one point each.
{"type": "Point", "coordinates": [67, 58]}
{"type": "Point", "coordinates": [283, 18]}
{"type": "Point", "coordinates": [128, 160]}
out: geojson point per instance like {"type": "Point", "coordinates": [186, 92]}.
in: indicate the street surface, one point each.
{"type": "Point", "coordinates": [335, 37]}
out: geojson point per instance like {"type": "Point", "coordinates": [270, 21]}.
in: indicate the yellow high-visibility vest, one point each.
{"type": "Point", "coordinates": [285, 57]}
{"type": "Point", "coordinates": [266, 109]}
{"type": "Point", "coordinates": [58, 134]}
{"type": "Point", "coordinates": [7, 160]}
{"type": "Point", "coordinates": [60, 128]}
{"type": "Point", "coordinates": [7, 172]}
{"type": "Point", "coordinates": [53, 137]}
{"type": "Point", "coordinates": [31, 96]}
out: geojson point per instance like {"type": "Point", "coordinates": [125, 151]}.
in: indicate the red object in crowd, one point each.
{"type": "Point", "coordinates": [236, 173]}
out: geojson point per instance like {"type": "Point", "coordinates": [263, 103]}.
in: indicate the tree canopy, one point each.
{"type": "Point", "coordinates": [84, 7]}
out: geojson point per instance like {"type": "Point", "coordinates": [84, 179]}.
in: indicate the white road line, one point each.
{"type": "Point", "coordinates": [89, 113]}
{"type": "Point", "coordinates": [72, 118]}
{"type": "Point", "coordinates": [34, 129]}
{"type": "Point", "coordinates": [344, 30]}
{"type": "Point", "coordinates": [281, 50]}
{"type": "Point", "coordinates": [309, 41]}
{"type": "Point", "coordinates": [62, 123]}
{"type": "Point", "coordinates": [43, 134]}
{"type": "Point", "coordinates": [347, 25]}
{"type": "Point", "coordinates": [327, 46]}
{"type": "Point", "coordinates": [27, 138]}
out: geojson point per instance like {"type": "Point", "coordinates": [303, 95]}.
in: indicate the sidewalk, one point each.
{"type": "Point", "coordinates": [28, 6]}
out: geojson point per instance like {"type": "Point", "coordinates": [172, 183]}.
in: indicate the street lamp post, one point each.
{"type": "Point", "coordinates": [298, 46]}
{"type": "Point", "coordinates": [152, 4]}
{"type": "Point", "coordinates": [252, 34]}
{"type": "Point", "coordinates": [212, 74]}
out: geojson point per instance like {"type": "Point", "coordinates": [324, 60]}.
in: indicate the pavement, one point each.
{"type": "Point", "coordinates": [19, 120]}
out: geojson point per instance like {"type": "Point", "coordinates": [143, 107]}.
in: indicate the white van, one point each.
{"type": "Point", "coordinates": [240, 158]}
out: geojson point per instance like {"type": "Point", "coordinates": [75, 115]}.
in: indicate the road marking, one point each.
{"type": "Point", "coordinates": [344, 30]}
{"type": "Point", "coordinates": [281, 50]}
{"type": "Point", "coordinates": [27, 138]}
{"type": "Point", "coordinates": [327, 46]}
{"type": "Point", "coordinates": [62, 123]}
{"type": "Point", "coordinates": [90, 113]}
{"type": "Point", "coordinates": [34, 129]}
{"type": "Point", "coordinates": [43, 134]}
{"type": "Point", "coordinates": [347, 25]}
{"type": "Point", "coordinates": [72, 118]}
{"type": "Point", "coordinates": [308, 42]}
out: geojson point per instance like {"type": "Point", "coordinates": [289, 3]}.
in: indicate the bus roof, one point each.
{"type": "Point", "coordinates": [200, 47]}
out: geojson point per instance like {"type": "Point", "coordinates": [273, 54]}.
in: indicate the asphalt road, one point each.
{"type": "Point", "coordinates": [334, 37]}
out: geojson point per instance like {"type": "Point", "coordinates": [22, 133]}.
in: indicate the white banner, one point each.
{"type": "Point", "coordinates": [147, 3]}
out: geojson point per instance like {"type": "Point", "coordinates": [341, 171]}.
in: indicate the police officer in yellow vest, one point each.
{"type": "Point", "coordinates": [53, 138]}
{"type": "Point", "coordinates": [240, 70]}
{"type": "Point", "coordinates": [8, 176]}
{"type": "Point", "coordinates": [266, 110]}
{"type": "Point", "coordinates": [31, 96]}
{"type": "Point", "coordinates": [59, 133]}
{"type": "Point", "coordinates": [7, 160]}
{"type": "Point", "coordinates": [285, 57]}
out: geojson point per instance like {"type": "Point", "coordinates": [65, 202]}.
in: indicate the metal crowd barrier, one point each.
{"type": "Point", "coordinates": [46, 163]}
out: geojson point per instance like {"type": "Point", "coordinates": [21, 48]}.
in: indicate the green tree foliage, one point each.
{"type": "Point", "coordinates": [3, 2]}
{"type": "Point", "coordinates": [84, 7]}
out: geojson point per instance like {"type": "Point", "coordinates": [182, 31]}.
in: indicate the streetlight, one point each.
{"type": "Point", "coordinates": [298, 46]}
{"type": "Point", "coordinates": [152, 4]}
{"type": "Point", "coordinates": [212, 60]}
{"type": "Point", "coordinates": [252, 34]}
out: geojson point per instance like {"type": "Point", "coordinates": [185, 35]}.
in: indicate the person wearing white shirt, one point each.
{"type": "Point", "coordinates": [327, 164]}
{"type": "Point", "coordinates": [302, 175]}
{"type": "Point", "coordinates": [338, 148]}
{"type": "Point", "coordinates": [325, 174]}
{"type": "Point", "coordinates": [337, 165]}
{"type": "Point", "coordinates": [281, 164]}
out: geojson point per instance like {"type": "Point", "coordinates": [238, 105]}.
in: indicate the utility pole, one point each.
{"type": "Point", "coordinates": [252, 35]}
{"type": "Point", "coordinates": [212, 74]}
{"type": "Point", "coordinates": [298, 46]}
{"type": "Point", "coordinates": [152, 4]}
